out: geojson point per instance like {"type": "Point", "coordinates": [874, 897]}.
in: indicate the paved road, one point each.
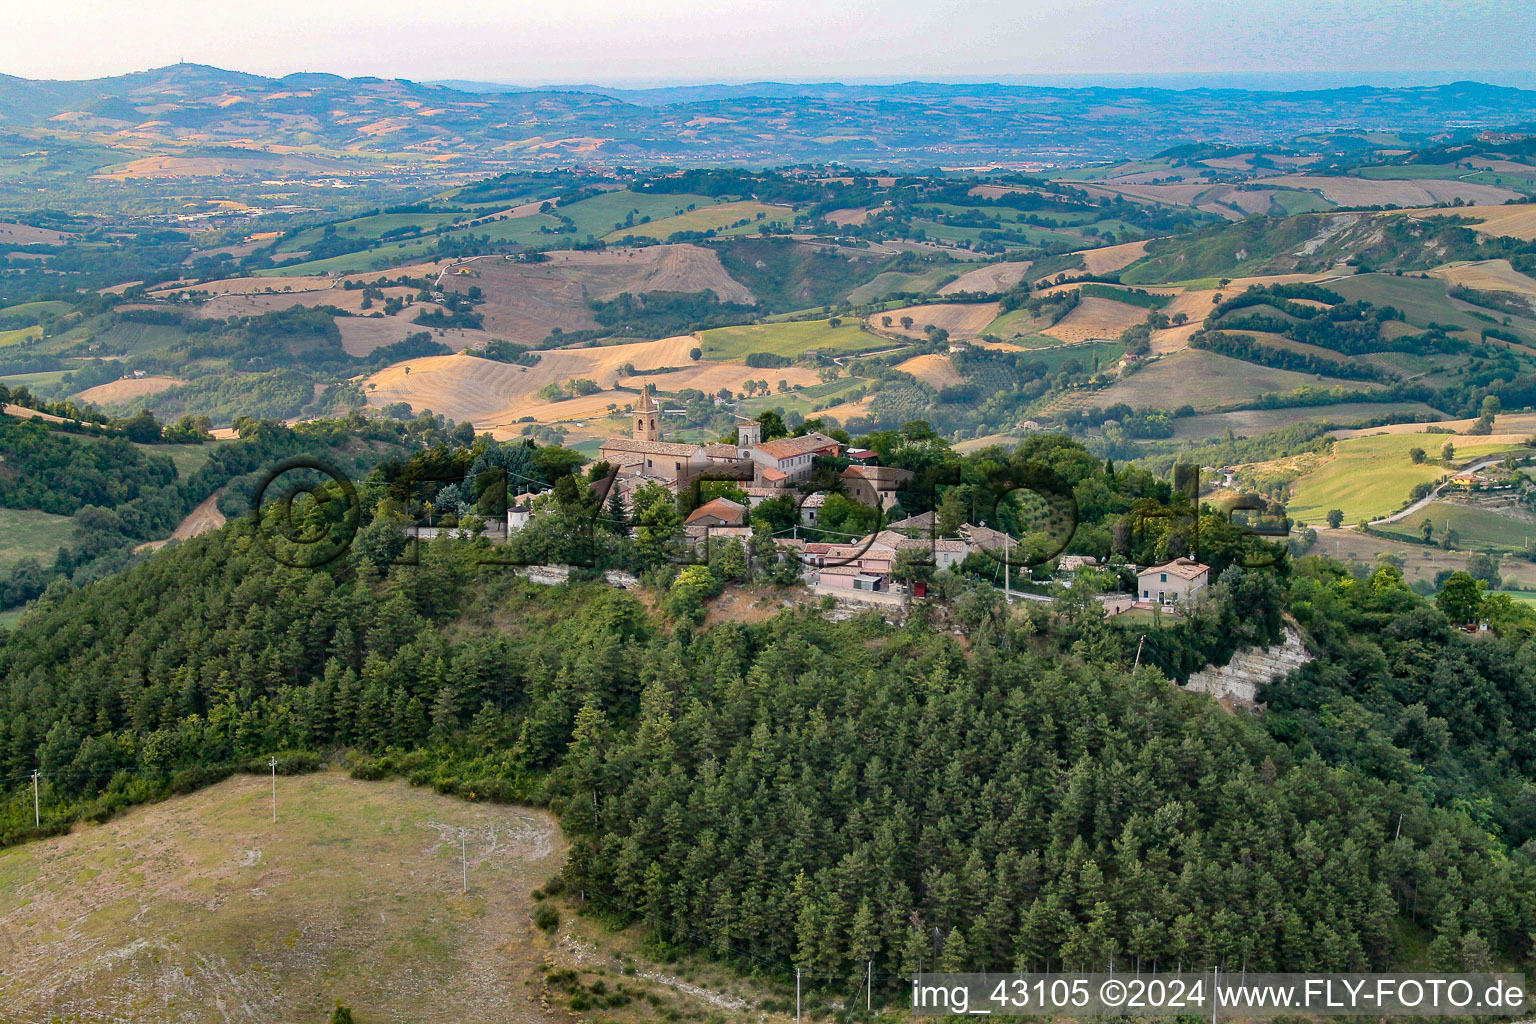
{"type": "Point", "coordinates": [1470, 467]}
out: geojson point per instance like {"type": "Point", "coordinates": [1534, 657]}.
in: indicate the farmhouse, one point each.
{"type": "Point", "coordinates": [1177, 582]}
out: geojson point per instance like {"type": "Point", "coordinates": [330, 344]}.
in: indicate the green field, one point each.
{"type": "Point", "coordinates": [1475, 527]}
{"type": "Point", "coordinates": [1292, 203]}
{"type": "Point", "coordinates": [804, 400]}
{"type": "Point", "coordinates": [1107, 353]}
{"type": "Point", "coordinates": [46, 378]}
{"type": "Point", "coordinates": [26, 533]}
{"type": "Point", "coordinates": [721, 218]}
{"type": "Point", "coordinates": [1409, 172]}
{"type": "Point", "coordinates": [893, 281]}
{"type": "Point", "coordinates": [1369, 477]}
{"type": "Point", "coordinates": [1031, 235]}
{"type": "Point", "coordinates": [607, 212]}
{"type": "Point", "coordinates": [35, 309]}
{"type": "Point", "coordinates": [9, 619]}
{"type": "Point", "coordinates": [19, 335]}
{"type": "Point", "coordinates": [733, 344]}
{"type": "Point", "coordinates": [1422, 301]}
{"type": "Point", "coordinates": [369, 227]}
{"type": "Point", "coordinates": [1014, 324]}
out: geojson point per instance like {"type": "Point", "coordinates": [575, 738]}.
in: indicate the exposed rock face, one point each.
{"type": "Point", "coordinates": [1250, 668]}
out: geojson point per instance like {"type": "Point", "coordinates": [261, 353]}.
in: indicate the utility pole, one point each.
{"type": "Point", "coordinates": [464, 859]}
{"type": "Point", "coordinates": [273, 764]}
{"type": "Point", "coordinates": [1007, 571]}
{"type": "Point", "coordinates": [1215, 988]}
{"type": "Point", "coordinates": [37, 815]}
{"type": "Point", "coordinates": [869, 985]}
{"type": "Point", "coordinates": [1138, 652]}
{"type": "Point", "coordinates": [797, 995]}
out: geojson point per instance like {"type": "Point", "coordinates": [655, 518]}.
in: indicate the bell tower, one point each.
{"type": "Point", "coordinates": [646, 415]}
{"type": "Point", "coordinates": [749, 434]}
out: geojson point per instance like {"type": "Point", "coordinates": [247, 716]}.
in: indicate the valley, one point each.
{"type": "Point", "coordinates": [718, 552]}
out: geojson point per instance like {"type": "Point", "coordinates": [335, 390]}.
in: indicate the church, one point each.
{"type": "Point", "coordinates": [769, 466]}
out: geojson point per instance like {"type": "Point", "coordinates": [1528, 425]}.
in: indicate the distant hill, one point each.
{"type": "Point", "coordinates": [907, 124]}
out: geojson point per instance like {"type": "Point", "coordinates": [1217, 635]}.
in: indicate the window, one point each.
{"type": "Point", "coordinates": [1145, 594]}
{"type": "Point", "coordinates": [1164, 579]}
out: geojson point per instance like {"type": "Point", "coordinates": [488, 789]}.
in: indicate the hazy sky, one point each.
{"type": "Point", "coordinates": [624, 41]}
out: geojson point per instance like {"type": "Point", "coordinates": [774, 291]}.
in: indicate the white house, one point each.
{"type": "Point", "coordinates": [1177, 582]}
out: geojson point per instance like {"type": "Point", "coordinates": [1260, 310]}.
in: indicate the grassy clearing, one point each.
{"type": "Point", "coordinates": [352, 873]}
{"type": "Point", "coordinates": [27, 533]}
{"type": "Point", "coordinates": [1369, 477]}
{"type": "Point", "coordinates": [202, 908]}
{"type": "Point", "coordinates": [189, 458]}
{"type": "Point", "coordinates": [734, 344]}
{"type": "Point", "coordinates": [1475, 527]}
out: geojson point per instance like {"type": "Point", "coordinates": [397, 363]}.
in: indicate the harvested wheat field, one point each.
{"type": "Point", "coordinates": [932, 369]}
{"type": "Point", "coordinates": [961, 320]}
{"type": "Point", "coordinates": [126, 390]}
{"type": "Point", "coordinates": [1204, 380]}
{"type": "Point", "coordinates": [230, 304]}
{"type": "Point", "coordinates": [1113, 257]}
{"type": "Point", "coordinates": [1096, 318]}
{"type": "Point", "coordinates": [1489, 276]}
{"type": "Point", "coordinates": [1347, 191]}
{"type": "Point", "coordinates": [852, 215]}
{"type": "Point", "coordinates": [251, 285]}
{"type": "Point", "coordinates": [846, 411]}
{"type": "Point", "coordinates": [1521, 425]}
{"type": "Point", "coordinates": [1173, 339]}
{"type": "Point", "coordinates": [1194, 303]}
{"type": "Point", "coordinates": [1515, 221]}
{"type": "Point", "coordinates": [495, 395]}
{"type": "Point", "coordinates": [360, 335]}
{"type": "Point", "coordinates": [525, 302]}
{"type": "Point", "coordinates": [995, 277]}
{"type": "Point", "coordinates": [12, 233]}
